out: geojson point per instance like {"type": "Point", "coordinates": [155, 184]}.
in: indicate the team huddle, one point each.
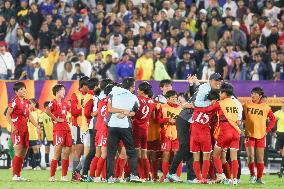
{"type": "Point", "coordinates": [114, 136]}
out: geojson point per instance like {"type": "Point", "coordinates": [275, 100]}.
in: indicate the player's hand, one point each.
{"type": "Point", "coordinates": [190, 79]}
{"type": "Point", "coordinates": [121, 116]}
{"type": "Point", "coordinates": [59, 120]}
{"type": "Point", "coordinates": [14, 130]}
{"type": "Point", "coordinates": [239, 122]}
{"type": "Point", "coordinates": [172, 121]}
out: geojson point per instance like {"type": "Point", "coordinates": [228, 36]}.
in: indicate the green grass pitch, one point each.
{"type": "Point", "coordinates": [39, 180]}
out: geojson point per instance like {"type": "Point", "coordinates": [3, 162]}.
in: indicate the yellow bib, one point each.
{"type": "Point", "coordinates": [230, 110]}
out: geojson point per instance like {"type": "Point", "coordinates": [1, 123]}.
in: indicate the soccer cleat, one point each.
{"type": "Point", "coordinates": [194, 181]}
{"type": "Point", "coordinates": [111, 180]}
{"type": "Point", "coordinates": [104, 180]}
{"type": "Point", "coordinates": [235, 181]}
{"type": "Point", "coordinates": [37, 168]}
{"type": "Point", "coordinates": [173, 178]}
{"type": "Point", "coordinates": [220, 178]}
{"type": "Point", "coordinates": [134, 178]}
{"type": "Point", "coordinates": [98, 179]}
{"type": "Point", "coordinates": [226, 181]}
{"type": "Point", "coordinates": [204, 181]}
{"type": "Point", "coordinates": [86, 178]}
{"type": "Point", "coordinates": [52, 179]}
{"type": "Point", "coordinates": [64, 179]}
{"type": "Point", "coordinates": [252, 180]}
{"type": "Point", "coordinates": [76, 176]}
{"type": "Point", "coordinates": [258, 181]}
{"type": "Point", "coordinates": [15, 178]}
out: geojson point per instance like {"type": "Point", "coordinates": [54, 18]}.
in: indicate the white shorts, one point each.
{"type": "Point", "coordinates": [77, 135]}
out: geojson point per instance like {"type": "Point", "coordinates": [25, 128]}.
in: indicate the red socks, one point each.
{"type": "Point", "coordinates": [140, 168]}
{"type": "Point", "coordinates": [235, 168]}
{"type": "Point", "coordinates": [227, 169]}
{"type": "Point", "coordinates": [17, 165]}
{"type": "Point", "coordinates": [179, 170]}
{"type": "Point", "coordinates": [196, 168]}
{"type": "Point", "coordinates": [218, 164]}
{"type": "Point", "coordinates": [165, 168]}
{"type": "Point", "coordinates": [100, 166]}
{"type": "Point", "coordinates": [93, 166]}
{"type": "Point", "coordinates": [154, 170]}
{"type": "Point", "coordinates": [251, 168]}
{"type": "Point", "coordinates": [205, 168]}
{"type": "Point", "coordinates": [65, 165]}
{"type": "Point", "coordinates": [126, 170]}
{"type": "Point", "coordinates": [260, 168]}
{"type": "Point", "coordinates": [146, 167]}
{"type": "Point", "coordinates": [104, 171]}
{"type": "Point", "coordinates": [212, 171]}
{"type": "Point", "coordinates": [53, 167]}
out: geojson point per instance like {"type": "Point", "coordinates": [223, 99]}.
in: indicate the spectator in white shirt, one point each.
{"type": "Point", "coordinates": [86, 66]}
{"type": "Point", "coordinates": [271, 12]}
{"type": "Point", "coordinates": [232, 5]}
{"type": "Point", "coordinates": [117, 46]}
{"type": "Point", "coordinates": [7, 64]}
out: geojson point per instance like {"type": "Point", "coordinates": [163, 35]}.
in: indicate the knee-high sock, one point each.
{"type": "Point", "coordinates": [165, 169]}
{"type": "Point", "coordinates": [154, 170]}
{"type": "Point", "coordinates": [140, 168]}
{"type": "Point", "coordinates": [146, 167]}
{"type": "Point", "coordinates": [260, 168]}
{"type": "Point", "coordinates": [116, 167]}
{"type": "Point", "coordinates": [46, 157]}
{"type": "Point", "coordinates": [100, 166]}
{"type": "Point", "coordinates": [227, 170]}
{"type": "Point", "coordinates": [53, 167]}
{"type": "Point", "coordinates": [196, 168]}
{"type": "Point", "coordinates": [104, 171]}
{"type": "Point", "coordinates": [93, 166]}
{"type": "Point", "coordinates": [126, 169]}
{"type": "Point", "coordinates": [76, 162]}
{"type": "Point", "coordinates": [251, 169]}
{"type": "Point", "coordinates": [205, 168]}
{"type": "Point", "coordinates": [235, 168]}
{"type": "Point", "coordinates": [179, 169]}
{"type": "Point", "coordinates": [218, 164]}
{"type": "Point", "coordinates": [17, 165]}
{"type": "Point", "coordinates": [65, 165]}
{"type": "Point", "coordinates": [212, 171]}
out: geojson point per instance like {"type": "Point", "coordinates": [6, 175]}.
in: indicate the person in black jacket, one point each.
{"type": "Point", "coordinates": [182, 125]}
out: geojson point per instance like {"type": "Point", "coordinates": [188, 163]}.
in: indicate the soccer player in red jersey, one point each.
{"type": "Point", "coordinates": [101, 137]}
{"type": "Point", "coordinates": [62, 138]}
{"type": "Point", "coordinates": [200, 139]}
{"type": "Point", "coordinates": [229, 132]}
{"type": "Point", "coordinates": [140, 127]}
{"type": "Point", "coordinates": [18, 114]}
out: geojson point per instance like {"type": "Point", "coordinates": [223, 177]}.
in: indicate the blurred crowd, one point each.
{"type": "Point", "coordinates": [145, 39]}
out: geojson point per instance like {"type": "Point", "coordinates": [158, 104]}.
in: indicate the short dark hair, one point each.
{"type": "Point", "coordinates": [46, 103]}
{"type": "Point", "coordinates": [213, 95]}
{"type": "Point", "coordinates": [258, 90]}
{"type": "Point", "coordinates": [108, 89]}
{"type": "Point", "coordinates": [77, 65]}
{"type": "Point", "coordinates": [104, 83]}
{"type": "Point", "coordinates": [170, 93]}
{"type": "Point", "coordinates": [18, 86]}
{"type": "Point", "coordinates": [57, 88]}
{"type": "Point", "coordinates": [93, 82]}
{"type": "Point", "coordinates": [146, 88]}
{"type": "Point", "coordinates": [165, 82]}
{"type": "Point", "coordinates": [33, 100]}
{"type": "Point", "coordinates": [127, 83]}
{"type": "Point", "coordinates": [227, 88]}
{"type": "Point", "coordinates": [83, 81]}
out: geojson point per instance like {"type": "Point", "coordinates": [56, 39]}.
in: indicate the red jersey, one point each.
{"type": "Point", "coordinates": [143, 115]}
{"type": "Point", "coordinates": [59, 110]}
{"type": "Point", "coordinates": [202, 119]}
{"type": "Point", "coordinates": [102, 114]}
{"type": "Point", "coordinates": [20, 113]}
